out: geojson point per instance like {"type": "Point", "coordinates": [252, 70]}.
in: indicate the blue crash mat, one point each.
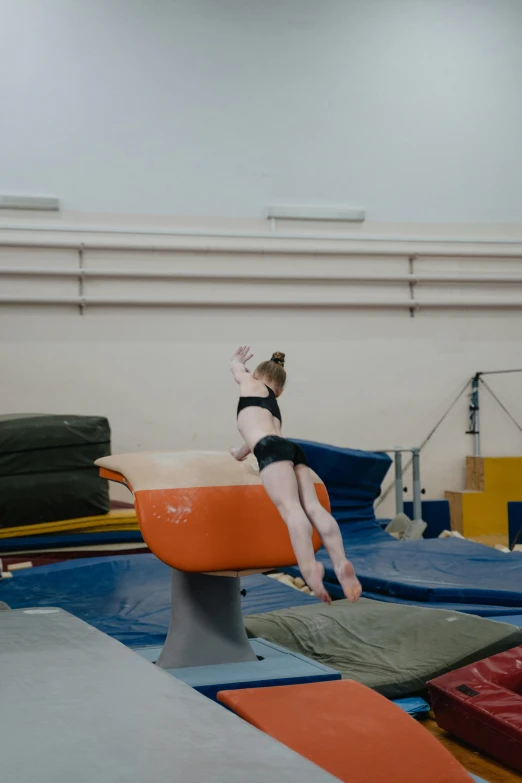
{"type": "Point", "coordinates": [510, 618]}
{"type": "Point", "coordinates": [449, 573]}
{"type": "Point", "coordinates": [353, 480]}
{"type": "Point", "coordinates": [127, 597]}
{"type": "Point", "coordinates": [436, 570]}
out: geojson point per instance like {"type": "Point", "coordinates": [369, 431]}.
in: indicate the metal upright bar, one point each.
{"type": "Point", "coordinates": [477, 430]}
{"type": "Point", "coordinates": [399, 497]}
{"type": "Point", "coordinates": [474, 407]}
{"type": "Point", "coordinates": [474, 413]}
{"type": "Point", "coordinates": [417, 503]}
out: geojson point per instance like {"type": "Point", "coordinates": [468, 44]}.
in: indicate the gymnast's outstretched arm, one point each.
{"type": "Point", "coordinates": [238, 364]}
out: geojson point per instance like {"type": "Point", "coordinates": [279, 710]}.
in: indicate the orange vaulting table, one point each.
{"type": "Point", "coordinates": [348, 730]}
{"type": "Point", "coordinates": [210, 519]}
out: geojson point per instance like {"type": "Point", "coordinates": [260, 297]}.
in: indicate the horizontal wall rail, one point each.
{"type": "Point", "coordinates": [144, 274]}
{"type": "Point", "coordinates": [23, 285]}
{"type": "Point", "coordinates": [303, 247]}
{"type": "Point", "coordinates": [380, 304]}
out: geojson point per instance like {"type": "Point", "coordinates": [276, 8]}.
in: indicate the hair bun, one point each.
{"type": "Point", "coordinates": [279, 358]}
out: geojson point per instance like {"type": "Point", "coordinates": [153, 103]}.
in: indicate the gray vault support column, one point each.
{"type": "Point", "coordinates": [206, 625]}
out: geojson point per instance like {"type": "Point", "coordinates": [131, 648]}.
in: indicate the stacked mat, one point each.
{"type": "Point", "coordinates": [47, 470]}
{"type": "Point", "coordinates": [51, 542]}
{"type": "Point", "coordinates": [113, 521]}
{"type": "Point", "coordinates": [441, 573]}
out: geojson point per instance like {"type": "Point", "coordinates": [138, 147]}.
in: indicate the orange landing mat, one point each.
{"type": "Point", "coordinates": [348, 730]}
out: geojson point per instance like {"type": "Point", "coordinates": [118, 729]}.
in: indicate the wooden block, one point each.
{"type": "Point", "coordinates": [455, 505]}
{"type": "Point", "coordinates": [475, 473]}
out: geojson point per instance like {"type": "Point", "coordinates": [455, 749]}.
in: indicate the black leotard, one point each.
{"type": "Point", "coordinates": [272, 448]}
{"type": "Point", "coordinates": [268, 403]}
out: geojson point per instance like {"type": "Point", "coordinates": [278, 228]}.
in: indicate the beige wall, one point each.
{"type": "Point", "coordinates": [357, 377]}
{"type": "Point", "coordinates": [409, 109]}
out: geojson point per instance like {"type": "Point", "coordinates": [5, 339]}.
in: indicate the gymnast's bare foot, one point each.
{"type": "Point", "coordinates": [313, 577]}
{"type": "Point", "coordinates": [351, 586]}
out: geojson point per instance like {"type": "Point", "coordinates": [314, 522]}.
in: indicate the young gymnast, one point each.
{"type": "Point", "coordinates": [285, 474]}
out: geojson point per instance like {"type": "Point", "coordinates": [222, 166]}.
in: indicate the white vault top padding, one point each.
{"type": "Point", "coordinates": [183, 469]}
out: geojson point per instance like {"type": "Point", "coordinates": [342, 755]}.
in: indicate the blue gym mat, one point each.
{"type": "Point", "coordinates": [514, 523]}
{"type": "Point", "coordinates": [414, 706]}
{"type": "Point", "coordinates": [435, 570]}
{"type": "Point", "coordinates": [451, 572]}
{"type": "Point", "coordinates": [128, 596]}
{"type": "Point", "coordinates": [444, 573]}
{"type": "Point", "coordinates": [512, 619]}
{"type": "Point", "coordinates": [56, 541]}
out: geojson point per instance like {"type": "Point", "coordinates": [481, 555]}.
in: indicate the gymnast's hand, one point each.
{"type": "Point", "coordinates": [242, 355]}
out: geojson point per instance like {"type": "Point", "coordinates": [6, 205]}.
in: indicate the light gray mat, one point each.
{"type": "Point", "coordinates": [77, 706]}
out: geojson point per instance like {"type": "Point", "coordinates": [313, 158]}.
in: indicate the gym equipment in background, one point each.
{"type": "Point", "coordinates": [482, 508]}
{"type": "Point", "coordinates": [46, 468]}
{"type": "Point", "coordinates": [482, 705]}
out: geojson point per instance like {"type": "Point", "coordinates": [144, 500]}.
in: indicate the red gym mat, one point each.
{"type": "Point", "coordinates": [482, 705]}
{"type": "Point", "coordinates": [348, 730]}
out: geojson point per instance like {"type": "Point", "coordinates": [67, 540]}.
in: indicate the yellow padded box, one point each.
{"type": "Point", "coordinates": [481, 509]}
